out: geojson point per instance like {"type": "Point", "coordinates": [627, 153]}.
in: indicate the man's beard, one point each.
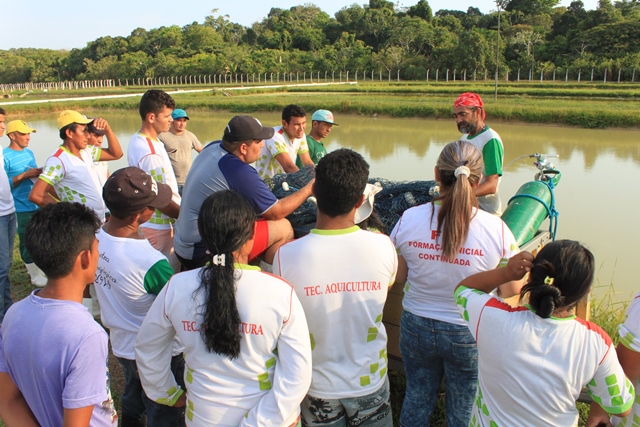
{"type": "Point", "coordinates": [466, 128]}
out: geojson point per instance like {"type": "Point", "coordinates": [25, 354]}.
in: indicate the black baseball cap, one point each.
{"type": "Point", "coordinates": [244, 128]}
{"type": "Point", "coordinates": [129, 190]}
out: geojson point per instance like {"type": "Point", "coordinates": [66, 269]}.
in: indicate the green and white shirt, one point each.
{"type": "Point", "coordinates": [489, 143]}
{"type": "Point", "coordinates": [531, 370]}
{"type": "Point", "coordinates": [74, 178]}
{"type": "Point", "coordinates": [630, 338]}
{"type": "Point", "coordinates": [267, 165]}
{"type": "Point", "coordinates": [342, 278]}
{"type": "Point", "coordinates": [129, 276]}
{"type": "Point", "coordinates": [150, 155]}
{"type": "Point", "coordinates": [263, 386]}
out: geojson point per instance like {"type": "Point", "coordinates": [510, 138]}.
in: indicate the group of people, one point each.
{"type": "Point", "coordinates": [204, 337]}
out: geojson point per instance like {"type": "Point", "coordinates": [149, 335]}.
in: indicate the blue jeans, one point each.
{"type": "Point", "coordinates": [8, 225]}
{"type": "Point", "coordinates": [430, 350]}
{"type": "Point", "coordinates": [372, 410]}
{"type": "Point", "coordinates": [135, 403]}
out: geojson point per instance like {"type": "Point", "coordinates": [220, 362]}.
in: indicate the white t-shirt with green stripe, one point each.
{"type": "Point", "coordinates": [342, 278]}
{"type": "Point", "coordinates": [531, 370]}
{"type": "Point", "coordinates": [129, 276]}
{"type": "Point", "coordinates": [263, 386]}
{"type": "Point", "coordinates": [150, 155]}
{"type": "Point", "coordinates": [630, 338]}
{"type": "Point", "coordinates": [74, 178]}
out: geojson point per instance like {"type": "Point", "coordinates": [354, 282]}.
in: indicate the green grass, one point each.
{"type": "Point", "coordinates": [604, 312]}
{"type": "Point", "coordinates": [585, 105]}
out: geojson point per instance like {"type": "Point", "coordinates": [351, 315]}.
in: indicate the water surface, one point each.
{"type": "Point", "coordinates": [597, 196]}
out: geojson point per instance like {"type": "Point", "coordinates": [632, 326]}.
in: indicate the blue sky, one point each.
{"type": "Point", "coordinates": [73, 23]}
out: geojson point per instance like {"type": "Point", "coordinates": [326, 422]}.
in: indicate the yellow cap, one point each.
{"type": "Point", "coordinates": [68, 117]}
{"type": "Point", "coordinates": [18, 126]}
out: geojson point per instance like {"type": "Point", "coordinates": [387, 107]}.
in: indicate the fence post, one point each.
{"type": "Point", "coordinates": [427, 74]}
{"type": "Point", "coordinates": [271, 78]}
{"type": "Point", "coordinates": [304, 76]}
{"type": "Point", "coordinates": [437, 71]}
{"type": "Point", "coordinates": [398, 79]}
{"type": "Point", "coordinates": [507, 76]}
{"type": "Point", "coordinates": [579, 74]}
{"type": "Point", "coordinates": [541, 75]}
{"type": "Point", "coordinates": [447, 75]}
{"type": "Point", "coordinates": [464, 75]}
{"type": "Point", "coordinates": [619, 73]}
{"type": "Point", "coordinates": [454, 74]}
{"type": "Point", "coordinates": [341, 75]}
{"type": "Point", "coordinates": [605, 75]}
{"type": "Point", "coordinates": [566, 75]}
{"type": "Point", "coordinates": [347, 75]}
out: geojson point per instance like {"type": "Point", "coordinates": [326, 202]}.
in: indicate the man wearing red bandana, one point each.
{"type": "Point", "coordinates": [469, 114]}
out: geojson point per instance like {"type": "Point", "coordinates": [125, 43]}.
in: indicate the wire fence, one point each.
{"type": "Point", "coordinates": [592, 75]}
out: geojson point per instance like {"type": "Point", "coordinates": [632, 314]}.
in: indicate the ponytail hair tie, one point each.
{"type": "Point", "coordinates": [548, 281]}
{"type": "Point", "coordinates": [462, 170]}
{"type": "Point", "coordinates": [218, 260]}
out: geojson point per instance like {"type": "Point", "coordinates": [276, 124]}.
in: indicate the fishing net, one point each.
{"type": "Point", "coordinates": [395, 197]}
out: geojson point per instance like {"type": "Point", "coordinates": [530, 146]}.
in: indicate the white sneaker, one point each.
{"type": "Point", "coordinates": [37, 276]}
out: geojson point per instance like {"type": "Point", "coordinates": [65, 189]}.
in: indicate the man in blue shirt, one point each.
{"type": "Point", "coordinates": [21, 168]}
{"type": "Point", "coordinates": [226, 165]}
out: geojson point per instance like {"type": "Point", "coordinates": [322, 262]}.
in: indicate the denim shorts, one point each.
{"type": "Point", "coordinates": [372, 410]}
{"type": "Point", "coordinates": [431, 350]}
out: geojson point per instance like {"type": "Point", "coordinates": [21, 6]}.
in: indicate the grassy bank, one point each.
{"type": "Point", "coordinates": [604, 312]}
{"type": "Point", "coordinates": [588, 105]}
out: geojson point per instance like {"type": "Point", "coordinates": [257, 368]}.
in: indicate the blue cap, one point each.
{"type": "Point", "coordinates": [323, 116]}
{"type": "Point", "coordinates": [179, 114]}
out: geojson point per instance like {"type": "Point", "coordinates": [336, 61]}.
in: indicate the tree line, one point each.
{"type": "Point", "coordinates": [533, 36]}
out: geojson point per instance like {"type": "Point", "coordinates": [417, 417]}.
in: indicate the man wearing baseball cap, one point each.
{"type": "Point", "coordinates": [179, 142]}
{"type": "Point", "coordinates": [469, 114]}
{"type": "Point", "coordinates": [68, 175]}
{"type": "Point", "coordinates": [129, 276]}
{"type": "Point", "coordinates": [321, 124]}
{"type": "Point", "coordinates": [225, 165]}
{"type": "Point", "coordinates": [21, 168]}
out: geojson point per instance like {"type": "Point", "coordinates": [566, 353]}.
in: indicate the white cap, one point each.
{"type": "Point", "coordinates": [364, 211]}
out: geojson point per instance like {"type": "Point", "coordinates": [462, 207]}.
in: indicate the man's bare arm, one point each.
{"type": "Point", "coordinates": [287, 164]}
{"type": "Point", "coordinates": [29, 173]}
{"type": "Point", "coordinates": [488, 186]}
{"type": "Point", "coordinates": [171, 210]}
{"type": "Point", "coordinates": [114, 150]}
{"type": "Point", "coordinates": [14, 410]}
{"type": "Point", "coordinates": [305, 158]}
{"type": "Point", "coordinates": [289, 204]}
{"type": "Point", "coordinates": [43, 194]}
{"type": "Point", "coordinates": [79, 417]}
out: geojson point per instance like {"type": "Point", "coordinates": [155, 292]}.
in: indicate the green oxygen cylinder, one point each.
{"type": "Point", "coordinates": [528, 208]}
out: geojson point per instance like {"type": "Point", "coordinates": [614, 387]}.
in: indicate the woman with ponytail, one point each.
{"type": "Point", "coordinates": [534, 360]}
{"type": "Point", "coordinates": [247, 348]}
{"type": "Point", "coordinates": [438, 245]}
